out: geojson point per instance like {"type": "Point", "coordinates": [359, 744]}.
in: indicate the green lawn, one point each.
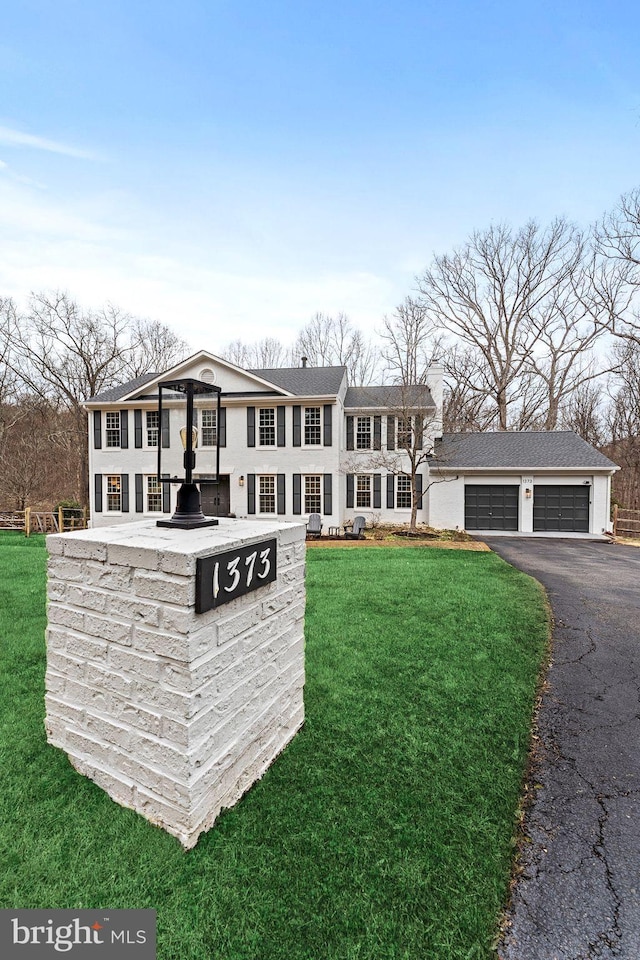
{"type": "Point", "coordinates": [383, 831]}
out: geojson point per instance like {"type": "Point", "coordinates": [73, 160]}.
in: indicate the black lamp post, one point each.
{"type": "Point", "coordinates": [188, 513]}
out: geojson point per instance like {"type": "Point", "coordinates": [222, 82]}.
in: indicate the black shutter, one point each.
{"type": "Point", "coordinates": [350, 486]}
{"type": "Point", "coordinates": [251, 432]}
{"type": "Point", "coordinates": [166, 436]}
{"type": "Point", "coordinates": [377, 433]}
{"type": "Point", "coordinates": [390, 491]}
{"type": "Point", "coordinates": [97, 430]}
{"type": "Point", "coordinates": [297, 492]}
{"type": "Point", "coordinates": [349, 433]}
{"type": "Point", "coordinates": [124, 429]}
{"type": "Point", "coordinates": [222, 428]}
{"type": "Point", "coordinates": [97, 480]}
{"type": "Point", "coordinates": [327, 438]}
{"type": "Point", "coordinates": [377, 491]}
{"type": "Point", "coordinates": [328, 494]}
{"type": "Point", "coordinates": [251, 491]}
{"type": "Point", "coordinates": [419, 490]}
{"type": "Point", "coordinates": [137, 429]}
{"type": "Point", "coordinates": [166, 494]}
{"type": "Point", "coordinates": [391, 433]}
{"type": "Point", "coordinates": [281, 489]}
{"type": "Point", "coordinates": [419, 428]}
{"type": "Point", "coordinates": [297, 427]}
{"type": "Point", "coordinates": [139, 496]}
{"type": "Point", "coordinates": [124, 491]}
{"type": "Point", "coordinates": [280, 412]}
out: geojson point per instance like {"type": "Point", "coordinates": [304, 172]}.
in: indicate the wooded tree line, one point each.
{"type": "Point", "coordinates": [537, 327]}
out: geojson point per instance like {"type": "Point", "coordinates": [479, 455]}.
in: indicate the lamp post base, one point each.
{"type": "Point", "coordinates": [188, 513]}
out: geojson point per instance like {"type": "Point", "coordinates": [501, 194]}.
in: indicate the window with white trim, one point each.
{"type": "Point", "coordinates": [208, 428]}
{"type": "Point", "coordinates": [404, 432]}
{"type": "Point", "coordinates": [312, 499]}
{"type": "Point", "coordinates": [154, 495]}
{"type": "Point", "coordinates": [153, 427]}
{"type": "Point", "coordinates": [363, 433]}
{"type": "Point", "coordinates": [363, 490]}
{"type": "Point", "coordinates": [403, 492]}
{"type": "Point", "coordinates": [112, 428]}
{"type": "Point", "coordinates": [267, 494]}
{"type": "Point", "coordinates": [114, 493]}
{"type": "Point", "coordinates": [267, 427]}
{"type": "Point", "coordinates": [312, 433]}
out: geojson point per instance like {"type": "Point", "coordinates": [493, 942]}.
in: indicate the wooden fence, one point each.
{"type": "Point", "coordinates": [43, 521]}
{"type": "Point", "coordinates": [626, 523]}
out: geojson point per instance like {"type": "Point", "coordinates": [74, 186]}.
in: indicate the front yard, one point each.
{"type": "Point", "coordinates": [385, 830]}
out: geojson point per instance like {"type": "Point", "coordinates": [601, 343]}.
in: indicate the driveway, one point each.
{"type": "Point", "coordinates": [579, 895]}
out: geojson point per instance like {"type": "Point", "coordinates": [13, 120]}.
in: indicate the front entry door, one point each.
{"type": "Point", "coordinates": [216, 498]}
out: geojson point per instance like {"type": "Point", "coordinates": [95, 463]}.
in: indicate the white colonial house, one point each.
{"type": "Point", "coordinates": [295, 441]}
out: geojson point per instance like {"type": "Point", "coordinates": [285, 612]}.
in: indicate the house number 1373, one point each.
{"type": "Point", "coordinates": [225, 576]}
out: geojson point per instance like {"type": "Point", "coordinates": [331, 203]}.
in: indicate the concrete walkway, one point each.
{"type": "Point", "coordinates": [579, 895]}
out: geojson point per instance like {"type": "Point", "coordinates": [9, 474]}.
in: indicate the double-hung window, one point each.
{"type": "Point", "coordinates": [267, 494]}
{"type": "Point", "coordinates": [154, 495]}
{"type": "Point", "coordinates": [114, 493]}
{"type": "Point", "coordinates": [112, 431]}
{"type": "Point", "coordinates": [363, 490]}
{"type": "Point", "coordinates": [312, 433]}
{"type": "Point", "coordinates": [363, 433]}
{"type": "Point", "coordinates": [267, 426]}
{"type": "Point", "coordinates": [153, 428]}
{"type": "Point", "coordinates": [404, 432]}
{"type": "Point", "coordinates": [312, 502]}
{"type": "Point", "coordinates": [403, 492]}
{"type": "Point", "coordinates": [209, 428]}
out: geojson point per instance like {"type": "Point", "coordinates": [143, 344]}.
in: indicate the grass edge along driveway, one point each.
{"type": "Point", "coordinates": [385, 830]}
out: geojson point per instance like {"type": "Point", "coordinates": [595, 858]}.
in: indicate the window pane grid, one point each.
{"type": "Point", "coordinates": [363, 433]}
{"type": "Point", "coordinates": [363, 490]}
{"type": "Point", "coordinates": [267, 494]}
{"type": "Point", "coordinates": [404, 432]}
{"type": "Point", "coordinates": [312, 433]}
{"type": "Point", "coordinates": [312, 502]}
{"type": "Point", "coordinates": [209, 428]}
{"type": "Point", "coordinates": [153, 428]}
{"type": "Point", "coordinates": [113, 429]}
{"type": "Point", "coordinates": [154, 495]}
{"type": "Point", "coordinates": [267, 426]}
{"type": "Point", "coordinates": [114, 497]}
{"type": "Point", "coordinates": [403, 493]}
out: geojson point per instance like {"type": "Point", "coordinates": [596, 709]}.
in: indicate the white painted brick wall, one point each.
{"type": "Point", "coordinates": [172, 713]}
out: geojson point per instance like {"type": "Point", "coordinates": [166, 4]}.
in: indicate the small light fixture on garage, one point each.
{"type": "Point", "coordinates": [527, 493]}
{"type": "Point", "coordinates": [241, 481]}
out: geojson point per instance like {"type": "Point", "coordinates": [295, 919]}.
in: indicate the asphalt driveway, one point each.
{"type": "Point", "coordinates": [579, 895]}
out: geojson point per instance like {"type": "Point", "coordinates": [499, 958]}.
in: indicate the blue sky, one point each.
{"type": "Point", "coordinates": [231, 168]}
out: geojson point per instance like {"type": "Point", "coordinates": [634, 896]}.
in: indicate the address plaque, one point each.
{"type": "Point", "coordinates": [222, 577]}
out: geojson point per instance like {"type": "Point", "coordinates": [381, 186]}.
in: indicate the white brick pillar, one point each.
{"type": "Point", "coordinates": [175, 713]}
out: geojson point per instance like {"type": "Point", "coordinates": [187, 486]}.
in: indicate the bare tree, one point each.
{"type": "Point", "coordinates": [62, 354]}
{"type": "Point", "coordinates": [329, 341]}
{"type": "Point", "coordinates": [410, 343]}
{"type": "Point", "coordinates": [616, 279]}
{"type": "Point", "coordinates": [496, 294]}
{"type": "Point", "coordinates": [584, 413]}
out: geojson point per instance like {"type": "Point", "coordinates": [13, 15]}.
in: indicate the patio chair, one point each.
{"type": "Point", "coordinates": [314, 526]}
{"type": "Point", "coordinates": [357, 531]}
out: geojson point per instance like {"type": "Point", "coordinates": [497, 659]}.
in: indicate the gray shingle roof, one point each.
{"type": "Point", "coordinates": [395, 398]}
{"type": "Point", "coordinates": [305, 381]}
{"type": "Point", "coordinates": [123, 389]}
{"type": "Point", "coordinates": [526, 450]}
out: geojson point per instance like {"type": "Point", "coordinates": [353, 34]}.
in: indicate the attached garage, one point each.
{"type": "Point", "coordinates": [491, 507]}
{"type": "Point", "coordinates": [533, 483]}
{"type": "Point", "coordinates": [561, 508]}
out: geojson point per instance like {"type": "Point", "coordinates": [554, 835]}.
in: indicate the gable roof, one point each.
{"type": "Point", "coordinates": [518, 450]}
{"type": "Point", "coordinates": [393, 397]}
{"type": "Point", "coordinates": [305, 381]}
{"type": "Point", "coordinates": [123, 389]}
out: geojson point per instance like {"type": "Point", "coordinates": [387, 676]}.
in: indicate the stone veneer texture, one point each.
{"type": "Point", "coordinates": [174, 714]}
